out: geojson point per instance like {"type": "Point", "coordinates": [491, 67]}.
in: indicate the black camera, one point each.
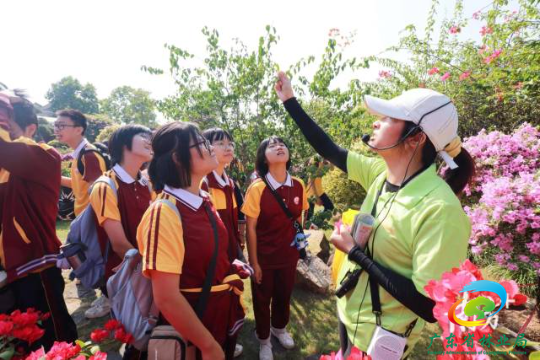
{"type": "Point", "coordinates": [349, 282]}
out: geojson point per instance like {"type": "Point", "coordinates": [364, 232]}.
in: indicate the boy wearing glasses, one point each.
{"type": "Point", "coordinates": [69, 129]}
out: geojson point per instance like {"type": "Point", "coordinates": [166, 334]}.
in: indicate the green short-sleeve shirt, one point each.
{"type": "Point", "coordinates": [425, 233]}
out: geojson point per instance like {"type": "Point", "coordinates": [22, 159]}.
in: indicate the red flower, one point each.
{"type": "Point", "coordinates": [112, 325]}
{"type": "Point", "coordinates": [99, 335]}
{"type": "Point", "coordinates": [25, 319]}
{"type": "Point", "coordinates": [121, 335]}
{"type": "Point", "coordinates": [4, 317]}
{"type": "Point", "coordinates": [5, 327]}
{"type": "Point", "coordinates": [98, 356]}
{"type": "Point", "coordinates": [45, 316]}
{"type": "Point", "coordinates": [28, 333]}
{"type": "Point", "coordinates": [433, 71]}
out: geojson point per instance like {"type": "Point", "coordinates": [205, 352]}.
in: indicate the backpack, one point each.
{"type": "Point", "coordinates": [82, 242]}
{"type": "Point", "coordinates": [100, 149]}
{"type": "Point", "coordinates": [131, 297]}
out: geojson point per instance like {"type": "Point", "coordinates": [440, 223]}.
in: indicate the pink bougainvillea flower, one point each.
{"type": "Point", "coordinates": [385, 74]}
{"type": "Point", "coordinates": [486, 30]}
{"type": "Point", "coordinates": [493, 56]}
{"type": "Point", "coordinates": [446, 76]}
{"type": "Point", "coordinates": [98, 356]}
{"type": "Point", "coordinates": [433, 71]}
{"type": "Point", "coordinates": [464, 75]}
{"type": "Point", "coordinates": [476, 15]}
{"type": "Point", "coordinates": [455, 29]}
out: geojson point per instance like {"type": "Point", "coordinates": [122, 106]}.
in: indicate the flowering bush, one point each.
{"type": "Point", "coordinates": [446, 292]}
{"type": "Point", "coordinates": [19, 328]}
{"type": "Point", "coordinates": [505, 199]}
{"type": "Point", "coordinates": [22, 327]}
{"type": "Point", "coordinates": [113, 329]}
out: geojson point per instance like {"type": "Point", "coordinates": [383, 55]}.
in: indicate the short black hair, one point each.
{"type": "Point", "coordinates": [260, 162]}
{"type": "Point", "coordinates": [173, 138]}
{"type": "Point", "coordinates": [123, 136]}
{"type": "Point", "coordinates": [24, 113]}
{"type": "Point", "coordinates": [76, 116]}
{"type": "Point", "coordinates": [216, 134]}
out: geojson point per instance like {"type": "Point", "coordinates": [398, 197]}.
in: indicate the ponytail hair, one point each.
{"type": "Point", "coordinates": [458, 178]}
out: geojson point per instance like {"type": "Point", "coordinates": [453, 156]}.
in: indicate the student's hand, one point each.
{"type": "Point", "coordinates": [214, 352]}
{"type": "Point", "coordinates": [257, 273]}
{"type": "Point", "coordinates": [342, 239]}
{"type": "Point", "coordinates": [283, 87]}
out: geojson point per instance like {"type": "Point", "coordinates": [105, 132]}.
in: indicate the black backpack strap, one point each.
{"type": "Point", "coordinates": [84, 151]}
{"type": "Point", "coordinates": [205, 293]}
{"type": "Point", "coordinates": [284, 207]}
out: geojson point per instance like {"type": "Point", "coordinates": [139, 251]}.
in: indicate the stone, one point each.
{"type": "Point", "coordinates": [313, 275]}
{"type": "Point", "coordinates": [318, 244]}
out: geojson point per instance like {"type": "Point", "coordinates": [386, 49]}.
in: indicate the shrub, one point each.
{"type": "Point", "coordinates": [506, 217]}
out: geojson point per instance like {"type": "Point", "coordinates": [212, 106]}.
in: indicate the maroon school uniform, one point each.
{"type": "Point", "coordinates": [221, 190]}
{"type": "Point", "coordinates": [186, 247]}
{"type": "Point", "coordinates": [276, 256]}
{"type": "Point", "coordinates": [128, 207]}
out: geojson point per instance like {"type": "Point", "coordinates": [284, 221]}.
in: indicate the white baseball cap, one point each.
{"type": "Point", "coordinates": [432, 111]}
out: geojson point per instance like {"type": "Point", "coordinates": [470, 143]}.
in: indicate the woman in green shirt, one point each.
{"type": "Point", "coordinates": [420, 228]}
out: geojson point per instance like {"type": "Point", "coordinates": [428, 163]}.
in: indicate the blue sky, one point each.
{"type": "Point", "coordinates": [106, 42]}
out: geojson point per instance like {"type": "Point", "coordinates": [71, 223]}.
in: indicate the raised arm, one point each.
{"type": "Point", "coordinates": [317, 138]}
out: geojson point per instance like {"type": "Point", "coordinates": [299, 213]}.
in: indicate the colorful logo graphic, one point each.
{"type": "Point", "coordinates": [480, 305]}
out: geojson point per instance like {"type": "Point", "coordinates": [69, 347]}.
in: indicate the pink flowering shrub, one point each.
{"type": "Point", "coordinates": [504, 199]}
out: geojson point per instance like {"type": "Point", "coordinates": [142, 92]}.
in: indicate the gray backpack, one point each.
{"type": "Point", "coordinates": [82, 249]}
{"type": "Point", "coordinates": [130, 293]}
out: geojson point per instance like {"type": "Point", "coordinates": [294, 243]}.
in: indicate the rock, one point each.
{"type": "Point", "coordinates": [314, 275]}
{"type": "Point", "coordinates": [318, 244]}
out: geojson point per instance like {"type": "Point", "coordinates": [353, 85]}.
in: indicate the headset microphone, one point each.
{"type": "Point", "coordinates": [366, 137]}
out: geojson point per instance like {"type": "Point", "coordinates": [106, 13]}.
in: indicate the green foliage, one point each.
{"type": "Point", "coordinates": [69, 93]}
{"type": "Point", "coordinates": [234, 89]}
{"type": "Point", "coordinates": [494, 84]}
{"type": "Point", "coordinates": [45, 132]}
{"type": "Point", "coordinates": [106, 133]}
{"type": "Point", "coordinates": [129, 105]}
{"type": "Point", "coordinates": [96, 123]}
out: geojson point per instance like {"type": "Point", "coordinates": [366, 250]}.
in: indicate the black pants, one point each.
{"type": "Point", "coordinates": [44, 291]}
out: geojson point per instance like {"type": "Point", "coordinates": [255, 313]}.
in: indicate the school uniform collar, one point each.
{"type": "Point", "coordinates": [125, 177]}
{"type": "Point", "coordinates": [75, 153]}
{"type": "Point", "coordinates": [274, 184]}
{"type": "Point", "coordinates": [192, 201]}
{"type": "Point", "coordinates": [221, 181]}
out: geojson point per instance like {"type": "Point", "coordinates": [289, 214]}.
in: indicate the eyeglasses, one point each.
{"type": "Point", "coordinates": [204, 142]}
{"type": "Point", "coordinates": [224, 146]}
{"type": "Point", "coordinates": [63, 126]}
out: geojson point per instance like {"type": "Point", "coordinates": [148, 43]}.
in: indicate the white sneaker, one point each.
{"type": "Point", "coordinates": [99, 301]}
{"type": "Point", "coordinates": [238, 350]}
{"type": "Point", "coordinates": [265, 352]}
{"type": "Point", "coordinates": [99, 310]}
{"type": "Point", "coordinates": [285, 339]}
